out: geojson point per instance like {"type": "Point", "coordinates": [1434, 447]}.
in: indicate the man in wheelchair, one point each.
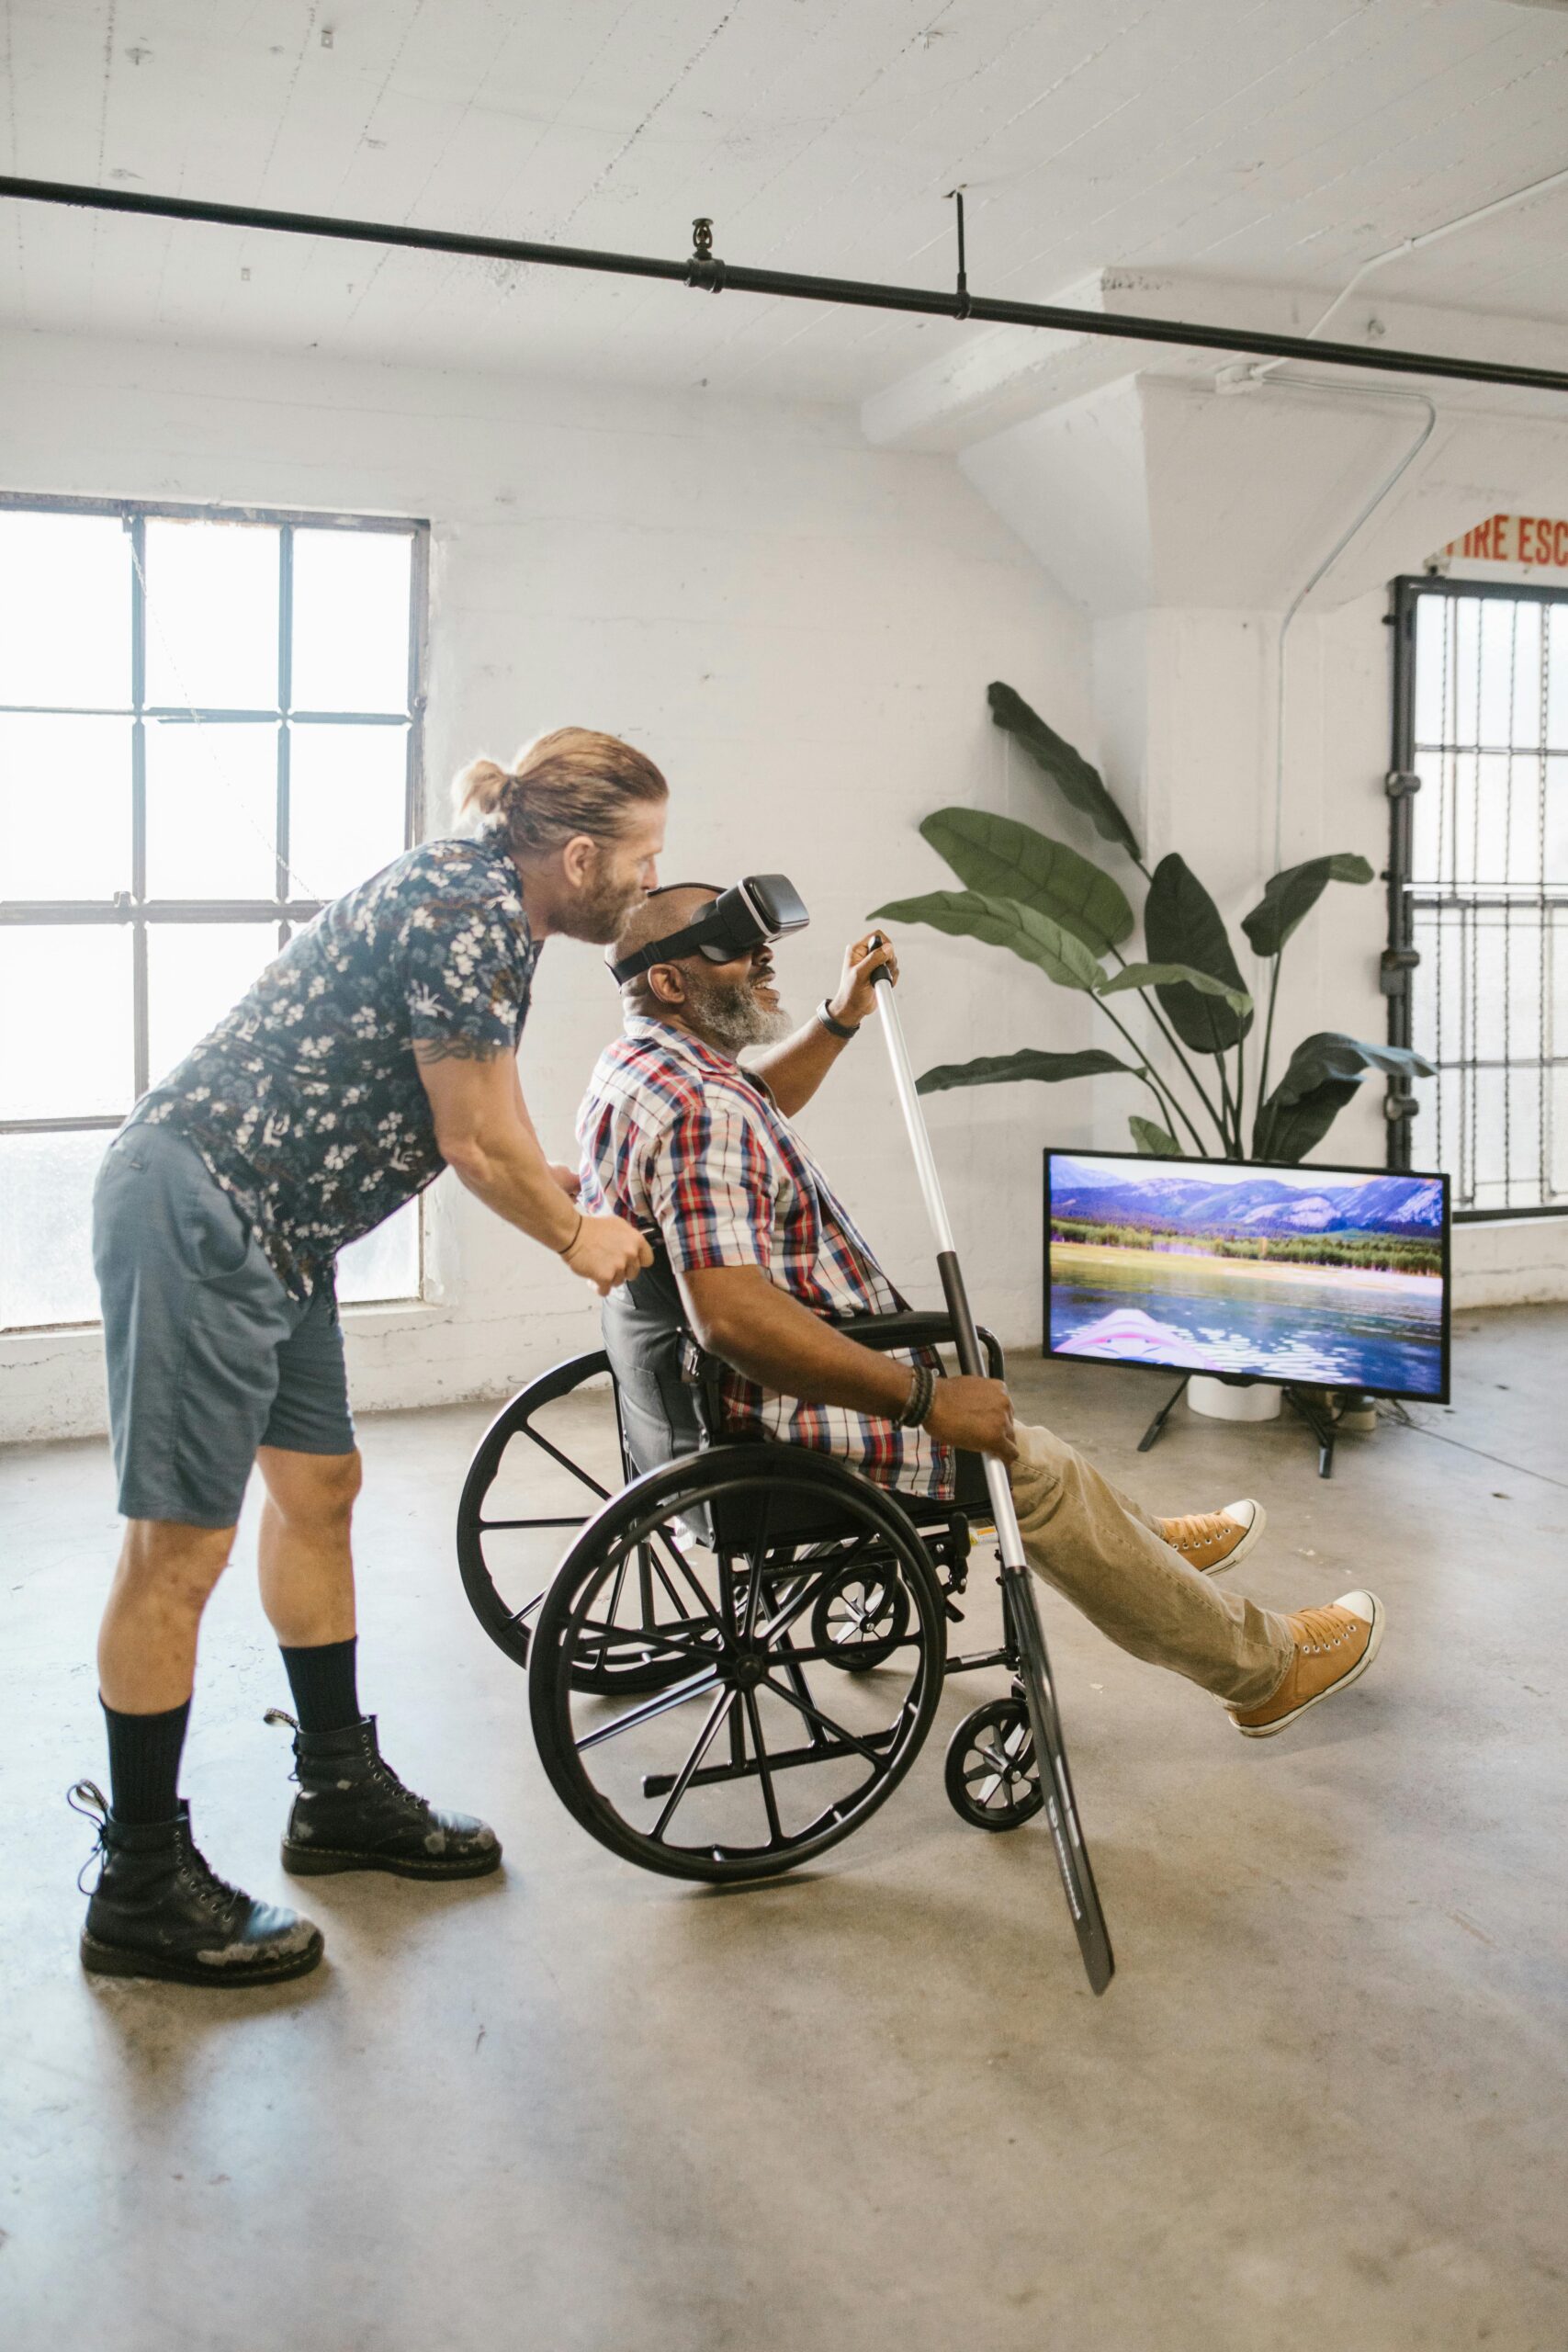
{"type": "Point", "coordinates": [698, 1149]}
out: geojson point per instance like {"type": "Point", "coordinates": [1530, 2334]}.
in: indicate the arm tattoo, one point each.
{"type": "Point", "coordinates": [456, 1049]}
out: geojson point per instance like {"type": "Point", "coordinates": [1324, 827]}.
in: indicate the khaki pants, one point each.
{"type": "Point", "coordinates": [1102, 1552]}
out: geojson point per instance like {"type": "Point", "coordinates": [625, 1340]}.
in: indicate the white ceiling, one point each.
{"type": "Point", "coordinates": [1280, 141]}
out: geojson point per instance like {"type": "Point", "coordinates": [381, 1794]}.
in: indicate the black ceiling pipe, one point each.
{"type": "Point", "coordinates": [702, 271]}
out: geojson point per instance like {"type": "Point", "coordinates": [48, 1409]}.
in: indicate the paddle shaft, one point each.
{"type": "Point", "coordinates": [1018, 1588]}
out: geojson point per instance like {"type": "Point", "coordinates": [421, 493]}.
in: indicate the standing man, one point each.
{"type": "Point", "coordinates": [379, 1047]}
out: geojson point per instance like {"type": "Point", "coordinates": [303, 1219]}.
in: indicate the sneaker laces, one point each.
{"type": "Point", "coordinates": [1324, 1629]}
{"type": "Point", "coordinates": [1197, 1529]}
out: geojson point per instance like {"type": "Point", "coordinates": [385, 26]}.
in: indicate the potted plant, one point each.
{"type": "Point", "coordinates": [1060, 911]}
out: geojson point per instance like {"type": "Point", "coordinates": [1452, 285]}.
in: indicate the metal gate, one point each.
{"type": "Point", "coordinates": [1476, 966]}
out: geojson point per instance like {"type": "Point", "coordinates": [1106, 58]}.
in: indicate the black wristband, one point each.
{"type": "Point", "coordinates": [836, 1028]}
{"type": "Point", "coordinates": [923, 1396]}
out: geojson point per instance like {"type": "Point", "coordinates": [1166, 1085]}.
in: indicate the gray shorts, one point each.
{"type": "Point", "coordinates": [209, 1356]}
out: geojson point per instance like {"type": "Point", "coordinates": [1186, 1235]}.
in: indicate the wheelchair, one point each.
{"type": "Point", "coordinates": [740, 1654]}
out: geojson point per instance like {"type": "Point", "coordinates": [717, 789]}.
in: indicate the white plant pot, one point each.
{"type": "Point", "coordinates": [1222, 1401]}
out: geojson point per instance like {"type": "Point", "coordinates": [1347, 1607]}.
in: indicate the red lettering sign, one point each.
{"type": "Point", "coordinates": [1534, 540]}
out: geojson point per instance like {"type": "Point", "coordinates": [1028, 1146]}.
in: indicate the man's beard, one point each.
{"type": "Point", "coordinates": [731, 1017]}
{"type": "Point", "coordinates": [598, 913]}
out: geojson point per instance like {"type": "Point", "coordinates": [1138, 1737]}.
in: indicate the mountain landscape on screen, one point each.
{"type": "Point", "coordinates": [1315, 1278]}
{"type": "Point", "coordinates": [1099, 1193]}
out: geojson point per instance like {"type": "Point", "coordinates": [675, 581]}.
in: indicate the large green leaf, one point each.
{"type": "Point", "coordinates": [998, 1069]}
{"type": "Point", "coordinates": [1156, 1141]}
{"type": "Point", "coordinates": [1162, 976]}
{"type": "Point", "coordinates": [1006, 860]}
{"type": "Point", "coordinates": [1289, 1131]}
{"type": "Point", "coordinates": [1182, 925]}
{"type": "Point", "coordinates": [1289, 897]}
{"type": "Point", "coordinates": [1002, 923]}
{"type": "Point", "coordinates": [1323, 1073]}
{"type": "Point", "coordinates": [1068, 769]}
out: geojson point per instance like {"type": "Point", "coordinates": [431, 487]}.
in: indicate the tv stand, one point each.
{"type": "Point", "coordinates": [1311, 1411]}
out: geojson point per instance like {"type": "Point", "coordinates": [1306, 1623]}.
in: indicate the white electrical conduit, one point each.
{"type": "Point", "coordinates": [1414, 245]}
{"type": "Point", "coordinates": [1355, 392]}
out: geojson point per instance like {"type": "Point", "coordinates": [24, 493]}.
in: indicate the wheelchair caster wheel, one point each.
{"type": "Point", "coordinates": [859, 1620]}
{"type": "Point", "coordinates": [992, 1779]}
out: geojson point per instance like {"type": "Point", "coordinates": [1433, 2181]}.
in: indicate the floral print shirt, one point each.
{"type": "Point", "coordinates": [305, 1103]}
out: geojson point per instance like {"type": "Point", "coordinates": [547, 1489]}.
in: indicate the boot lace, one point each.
{"type": "Point", "coordinates": [195, 1872]}
{"type": "Point", "coordinates": [381, 1772]}
{"type": "Point", "coordinates": [87, 1798]}
{"type": "Point", "coordinates": [408, 1798]}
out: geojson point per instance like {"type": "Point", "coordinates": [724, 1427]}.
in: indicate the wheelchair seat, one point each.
{"type": "Point", "coordinates": [669, 1402]}
{"type": "Point", "coordinates": [644, 1330]}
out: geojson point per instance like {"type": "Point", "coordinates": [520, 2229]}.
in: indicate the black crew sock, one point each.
{"type": "Point", "coordinates": [322, 1680]}
{"type": "Point", "coordinates": [144, 1764]}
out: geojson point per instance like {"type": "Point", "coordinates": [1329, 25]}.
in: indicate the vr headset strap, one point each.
{"type": "Point", "coordinates": [666, 951]}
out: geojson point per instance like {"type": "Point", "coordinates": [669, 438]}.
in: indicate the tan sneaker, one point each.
{"type": "Point", "coordinates": [1333, 1648]}
{"type": "Point", "coordinates": [1216, 1539]}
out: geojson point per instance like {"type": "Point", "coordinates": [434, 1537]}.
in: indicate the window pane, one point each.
{"type": "Point", "coordinates": [385, 1264]}
{"type": "Point", "coordinates": [211, 810]}
{"type": "Point", "coordinates": [212, 615]}
{"type": "Point", "coordinates": [196, 973]}
{"type": "Point", "coordinates": [65, 610]}
{"type": "Point", "coordinates": [66, 1049]}
{"type": "Point", "coordinates": [46, 1250]}
{"type": "Point", "coordinates": [351, 620]}
{"type": "Point", "coordinates": [42, 762]}
{"type": "Point", "coordinates": [347, 794]}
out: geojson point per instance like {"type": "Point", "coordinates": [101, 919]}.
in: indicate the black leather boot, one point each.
{"type": "Point", "coordinates": [159, 1910]}
{"type": "Point", "coordinates": [354, 1814]}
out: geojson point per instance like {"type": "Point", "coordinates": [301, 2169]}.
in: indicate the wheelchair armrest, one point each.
{"type": "Point", "coordinates": [911, 1327]}
{"type": "Point", "coordinates": [908, 1327]}
{"type": "Point", "coordinates": [914, 1328]}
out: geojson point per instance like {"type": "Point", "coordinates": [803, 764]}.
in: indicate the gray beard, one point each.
{"type": "Point", "coordinates": [732, 1019]}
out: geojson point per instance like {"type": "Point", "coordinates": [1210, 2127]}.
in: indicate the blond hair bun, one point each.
{"type": "Point", "coordinates": [480, 790]}
{"type": "Point", "coordinates": [568, 783]}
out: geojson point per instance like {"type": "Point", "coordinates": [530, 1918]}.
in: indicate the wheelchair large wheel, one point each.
{"type": "Point", "coordinates": [762, 1753]}
{"type": "Point", "coordinates": [507, 1546]}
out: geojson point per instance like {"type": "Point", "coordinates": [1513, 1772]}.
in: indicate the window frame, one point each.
{"type": "Point", "coordinates": [133, 907]}
{"type": "Point", "coordinates": [1400, 959]}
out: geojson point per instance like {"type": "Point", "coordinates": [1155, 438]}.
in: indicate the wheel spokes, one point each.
{"type": "Point", "coordinates": [659, 1704]}
{"type": "Point", "coordinates": [814, 1714]}
{"type": "Point", "coordinates": [721, 1707]}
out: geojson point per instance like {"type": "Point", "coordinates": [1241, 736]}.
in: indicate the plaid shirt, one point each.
{"type": "Point", "coordinates": [693, 1149]}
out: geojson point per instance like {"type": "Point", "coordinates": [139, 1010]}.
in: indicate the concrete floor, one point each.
{"type": "Point", "coordinates": [576, 2107]}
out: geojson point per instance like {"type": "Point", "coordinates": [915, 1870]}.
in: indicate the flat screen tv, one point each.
{"type": "Point", "coordinates": [1314, 1277]}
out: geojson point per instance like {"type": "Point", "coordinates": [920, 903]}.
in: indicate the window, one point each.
{"type": "Point", "coordinates": [1476, 969]}
{"type": "Point", "coordinates": [210, 726]}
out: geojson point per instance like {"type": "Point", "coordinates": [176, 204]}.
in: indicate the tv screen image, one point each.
{"type": "Point", "coordinates": [1317, 1277]}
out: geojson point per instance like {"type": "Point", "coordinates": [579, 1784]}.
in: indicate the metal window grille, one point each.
{"type": "Point", "coordinates": [1476, 966]}
{"type": "Point", "coordinates": [287, 904]}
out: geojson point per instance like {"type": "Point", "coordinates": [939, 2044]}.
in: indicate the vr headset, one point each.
{"type": "Point", "coordinates": [760, 907]}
